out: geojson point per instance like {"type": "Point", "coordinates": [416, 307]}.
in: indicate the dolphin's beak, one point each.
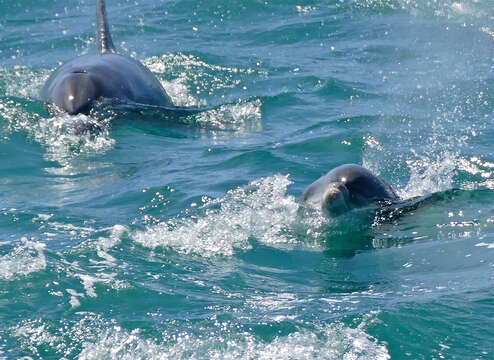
{"type": "Point", "coordinates": [335, 199]}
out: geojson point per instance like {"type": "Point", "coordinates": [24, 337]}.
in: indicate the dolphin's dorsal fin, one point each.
{"type": "Point", "coordinates": [105, 41]}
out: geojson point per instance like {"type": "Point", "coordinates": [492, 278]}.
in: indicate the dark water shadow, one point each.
{"type": "Point", "coordinates": [176, 122]}
{"type": "Point", "coordinates": [394, 212]}
{"type": "Point", "coordinates": [148, 115]}
{"type": "Point", "coordinates": [368, 228]}
{"type": "Point", "coordinates": [214, 119]}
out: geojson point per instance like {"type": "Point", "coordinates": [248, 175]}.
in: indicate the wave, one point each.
{"type": "Point", "coordinates": [92, 337]}
{"type": "Point", "coordinates": [261, 210]}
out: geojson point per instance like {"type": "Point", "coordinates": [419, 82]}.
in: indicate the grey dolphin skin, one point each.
{"type": "Point", "coordinates": [346, 187]}
{"type": "Point", "coordinates": [76, 85]}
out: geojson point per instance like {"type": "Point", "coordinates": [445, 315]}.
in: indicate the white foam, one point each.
{"type": "Point", "coordinates": [106, 243]}
{"type": "Point", "coordinates": [65, 137]}
{"type": "Point", "coordinates": [487, 30]}
{"type": "Point", "coordinates": [89, 282]}
{"type": "Point", "coordinates": [103, 244]}
{"type": "Point", "coordinates": [95, 338]}
{"type": "Point", "coordinates": [242, 115]}
{"type": "Point", "coordinates": [179, 92]}
{"type": "Point", "coordinates": [487, 245]}
{"type": "Point", "coordinates": [304, 10]}
{"type": "Point", "coordinates": [74, 297]}
{"type": "Point", "coordinates": [261, 210]}
{"type": "Point", "coordinates": [435, 174]}
{"type": "Point", "coordinates": [15, 116]}
{"type": "Point", "coordinates": [225, 341]}
{"type": "Point", "coordinates": [36, 331]}
{"type": "Point", "coordinates": [42, 217]}
{"type": "Point", "coordinates": [70, 229]}
{"type": "Point", "coordinates": [25, 259]}
{"type": "Point", "coordinates": [103, 340]}
{"type": "Point", "coordinates": [324, 342]}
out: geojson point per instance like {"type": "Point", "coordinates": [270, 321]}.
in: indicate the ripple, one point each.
{"type": "Point", "coordinates": [450, 9]}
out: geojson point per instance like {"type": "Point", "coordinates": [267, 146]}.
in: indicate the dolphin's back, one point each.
{"type": "Point", "coordinates": [116, 76]}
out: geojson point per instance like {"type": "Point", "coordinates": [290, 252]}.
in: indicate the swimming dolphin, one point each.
{"type": "Point", "coordinates": [78, 84]}
{"type": "Point", "coordinates": [346, 187]}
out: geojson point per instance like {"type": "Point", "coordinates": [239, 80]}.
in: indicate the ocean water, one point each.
{"type": "Point", "coordinates": [162, 237]}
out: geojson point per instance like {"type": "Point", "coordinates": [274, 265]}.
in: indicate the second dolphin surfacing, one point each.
{"type": "Point", "coordinates": [347, 187]}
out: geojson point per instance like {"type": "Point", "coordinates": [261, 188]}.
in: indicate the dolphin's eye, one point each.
{"type": "Point", "coordinates": [79, 71]}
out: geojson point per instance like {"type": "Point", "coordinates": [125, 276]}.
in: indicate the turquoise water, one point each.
{"type": "Point", "coordinates": [159, 238]}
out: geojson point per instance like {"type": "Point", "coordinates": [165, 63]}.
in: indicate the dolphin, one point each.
{"type": "Point", "coordinates": [347, 187]}
{"type": "Point", "coordinates": [78, 84]}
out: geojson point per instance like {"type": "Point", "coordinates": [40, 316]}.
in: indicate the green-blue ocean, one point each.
{"type": "Point", "coordinates": [181, 237]}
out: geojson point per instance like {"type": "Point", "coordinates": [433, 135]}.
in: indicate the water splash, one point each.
{"type": "Point", "coordinates": [67, 136]}
{"type": "Point", "coordinates": [202, 76]}
{"type": "Point", "coordinates": [261, 210]}
{"type": "Point", "coordinates": [194, 77]}
{"type": "Point", "coordinates": [240, 116]}
{"type": "Point", "coordinates": [25, 259]}
{"type": "Point", "coordinates": [179, 92]}
{"type": "Point", "coordinates": [430, 174]}
{"type": "Point", "coordinates": [326, 342]}
{"type": "Point", "coordinates": [95, 338]}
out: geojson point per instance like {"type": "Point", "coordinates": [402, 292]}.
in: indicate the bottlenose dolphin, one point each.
{"type": "Point", "coordinates": [78, 84]}
{"type": "Point", "coordinates": [346, 187]}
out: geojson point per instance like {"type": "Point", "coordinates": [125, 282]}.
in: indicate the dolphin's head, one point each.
{"type": "Point", "coordinates": [335, 200]}
{"type": "Point", "coordinates": [76, 92]}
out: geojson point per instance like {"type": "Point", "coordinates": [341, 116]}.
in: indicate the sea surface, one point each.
{"type": "Point", "coordinates": [157, 236]}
